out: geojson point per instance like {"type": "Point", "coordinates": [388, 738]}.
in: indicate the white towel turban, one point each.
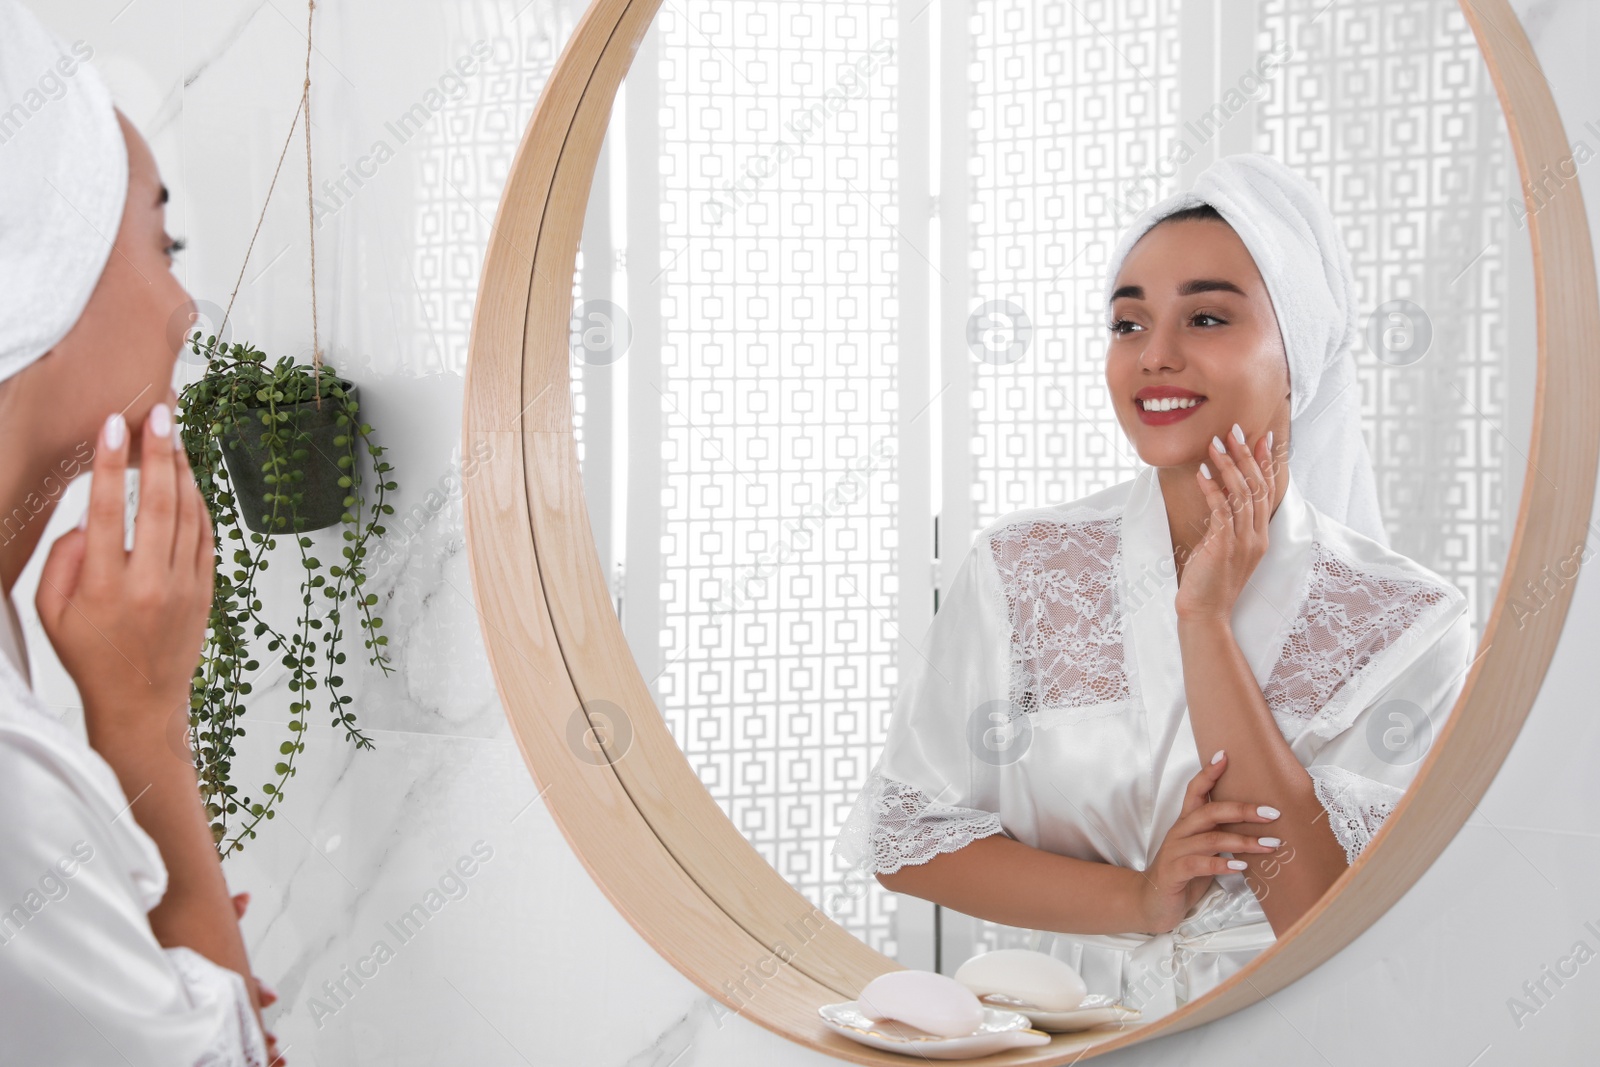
{"type": "Point", "coordinates": [63, 182]}
{"type": "Point", "coordinates": [1289, 231]}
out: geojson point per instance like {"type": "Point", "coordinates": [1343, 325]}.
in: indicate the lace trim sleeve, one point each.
{"type": "Point", "coordinates": [895, 824]}
{"type": "Point", "coordinates": [238, 1042]}
{"type": "Point", "coordinates": [1356, 805]}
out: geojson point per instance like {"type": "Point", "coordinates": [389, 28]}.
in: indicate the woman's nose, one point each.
{"type": "Point", "coordinates": [1162, 348]}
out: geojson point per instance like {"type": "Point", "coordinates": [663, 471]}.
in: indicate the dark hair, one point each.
{"type": "Point", "coordinates": [1199, 211]}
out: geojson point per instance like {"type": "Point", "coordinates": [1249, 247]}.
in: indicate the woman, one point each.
{"type": "Point", "coordinates": [1155, 724]}
{"type": "Point", "coordinates": [118, 940]}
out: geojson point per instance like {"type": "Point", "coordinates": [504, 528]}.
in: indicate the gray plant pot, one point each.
{"type": "Point", "coordinates": [319, 499]}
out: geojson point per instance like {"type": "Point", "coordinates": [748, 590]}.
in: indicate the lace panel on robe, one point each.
{"type": "Point", "coordinates": [1059, 580]}
{"type": "Point", "coordinates": [1347, 618]}
{"type": "Point", "coordinates": [1356, 805]}
{"type": "Point", "coordinates": [894, 824]}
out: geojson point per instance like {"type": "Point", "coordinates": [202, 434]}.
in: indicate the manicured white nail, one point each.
{"type": "Point", "coordinates": [1238, 434]}
{"type": "Point", "coordinates": [1216, 443]}
{"type": "Point", "coordinates": [1206, 471]}
{"type": "Point", "coordinates": [1218, 757]}
{"type": "Point", "coordinates": [83, 520]}
{"type": "Point", "coordinates": [161, 419]}
{"type": "Point", "coordinates": [1270, 842]}
{"type": "Point", "coordinates": [1237, 865]}
{"type": "Point", "coordinates": [1269, 440]}
{"type": "Point", "coordinates": [1266, 811]}
{"type": "Point", "coordinates": [116, 430]}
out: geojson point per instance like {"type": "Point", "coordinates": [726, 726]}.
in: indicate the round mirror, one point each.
{"type": "Point", "coordinates": [830, 318]}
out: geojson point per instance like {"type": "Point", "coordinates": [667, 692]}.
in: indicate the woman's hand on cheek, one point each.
{"type": "Point", "coordinates": [128, 625]}
{"type": "Point", "coordinates": [1240, 493]}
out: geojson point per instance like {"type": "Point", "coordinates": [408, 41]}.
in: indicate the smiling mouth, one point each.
{"type": "Point", "coordinates": [1171, 403]}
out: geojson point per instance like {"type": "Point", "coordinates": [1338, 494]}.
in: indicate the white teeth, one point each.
{"type": "Point", "coordinates": [1169, 404]}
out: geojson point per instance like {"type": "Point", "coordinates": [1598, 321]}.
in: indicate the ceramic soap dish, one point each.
{"type": "Point", "coordinates": [1001, 1029]}
{"type": "Point", "coordinates": [1097, 1009]}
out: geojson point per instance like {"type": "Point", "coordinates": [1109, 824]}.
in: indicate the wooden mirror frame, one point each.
{"type": "Point", "coordinates": [652, 837]}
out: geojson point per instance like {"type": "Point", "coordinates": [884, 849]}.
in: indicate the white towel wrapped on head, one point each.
{"type": "Point", "coordinates": [63, 185]}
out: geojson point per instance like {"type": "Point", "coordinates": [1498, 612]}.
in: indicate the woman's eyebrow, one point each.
{"type": "Point", "coordinates": [161, 198]}
{"type": "Point", "coordinates": [1188, 288]}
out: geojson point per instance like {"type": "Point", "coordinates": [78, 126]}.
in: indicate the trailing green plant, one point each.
{"type": "Point", "coordinates": [243, 400]}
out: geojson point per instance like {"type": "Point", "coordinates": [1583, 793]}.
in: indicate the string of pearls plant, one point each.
{"type": "Point", "coordinates": [273, 448]}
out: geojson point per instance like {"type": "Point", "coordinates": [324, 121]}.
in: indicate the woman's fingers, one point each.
{"type": "Point", "coordinates": [1247, 460]}
{"type": "Point", "coordinates": [1226, 476]}
{"type": "Point", "coordinates": [1221, 523]}
{"type": "Point", "coordinates": [1218, 812]}
{"type": "Point", "coordinates": [58, 579]}
{"type": "Point", "coordinates": [1240, 503]}
{"type": "Point", "coordinates": [1191, 859]}
{"type": "Point", "coordinates": [1215, 841]}
{"type": "Point", "coordinates": [106, 516]}
{"type": "Point", "coordinates": [1200, 785]}
{"type": "Point", "coordinates": [1215, 813]}
{"type": "Point", "coordinates": [1199, 855]}
{"type": "Point", "coordinates": [158, 494]}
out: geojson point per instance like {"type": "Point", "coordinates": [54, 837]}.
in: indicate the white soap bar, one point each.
{"type": "Point", "coordinates": [925, 999]}
{"type": "Point", "coordinates": [1036, 978]}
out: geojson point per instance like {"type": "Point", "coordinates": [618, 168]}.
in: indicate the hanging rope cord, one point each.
{"type": "Point", "coordinates": [304, 109]}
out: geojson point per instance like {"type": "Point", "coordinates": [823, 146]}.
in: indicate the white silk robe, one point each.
{"type": "Point", "coordinates": [83, 980]}
{"type": "Point", "coordinates": [1048, 704]}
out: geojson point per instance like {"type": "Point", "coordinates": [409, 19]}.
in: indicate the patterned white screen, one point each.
{"type": "Point", "coordinates": [762, 384]}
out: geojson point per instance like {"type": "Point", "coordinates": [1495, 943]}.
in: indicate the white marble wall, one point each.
{"type": "Point", "coordinates": [526, 961]}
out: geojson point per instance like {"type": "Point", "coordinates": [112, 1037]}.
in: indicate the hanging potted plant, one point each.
{"type": "Point", "coordinates": [274, 450]}
{"type": "Point", "coordinates": [288, 451]}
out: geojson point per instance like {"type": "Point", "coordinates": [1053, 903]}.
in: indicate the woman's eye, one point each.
{"type": "Point", "coordinates": [176, 245]}
{"type": "Point", "coordinates": [1116, 326]}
